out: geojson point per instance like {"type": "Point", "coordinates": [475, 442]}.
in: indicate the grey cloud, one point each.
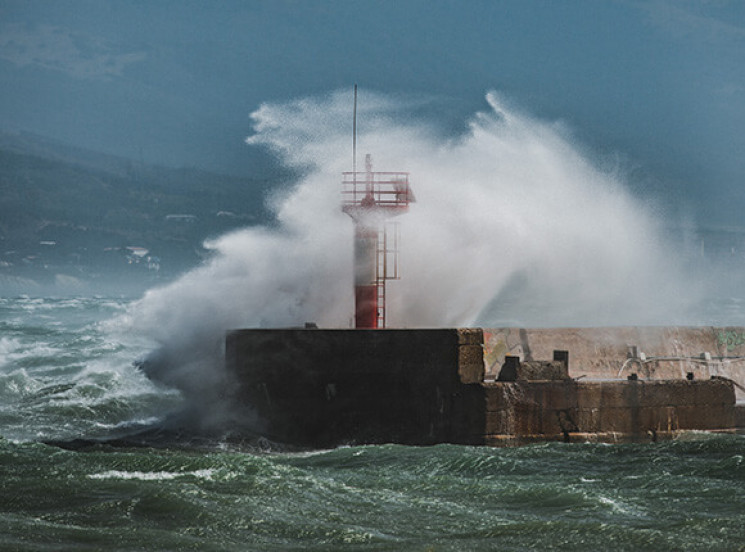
{"type": "Point", "coordinates": [57, 48]}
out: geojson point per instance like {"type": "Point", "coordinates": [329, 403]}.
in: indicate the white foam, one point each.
{"type": "Point", "coordinates": [620, 507]}
{"type": "Point", "coordinates": [152, 476]}
{"type": "Point", "coordinates": [8, 345]}
{"type": "Point", "coordinates": [512, 197]}
{"type": "Point", "coordinates": [511, 209]}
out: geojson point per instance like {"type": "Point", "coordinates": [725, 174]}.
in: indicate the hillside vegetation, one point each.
{"type": "Point", "coordinates": [81, 219]}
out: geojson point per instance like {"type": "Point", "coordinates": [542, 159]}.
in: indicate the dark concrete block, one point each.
{"type": "Point", "coordinates": [509, 369]}
{"type": "Point", "coordinates": [533, 370]}
{"type": "Point", "coordinates": [556, 395]}
{"type": "Point", "coordinates": [739, 416]}
{"type": "Point", "coordinates": [714, 390]}
{"type": "Point", "coordinates": [470, 363]}
{"type": "Point", "coordinates": [470, 336]}
{"type": "Point", "coordinates": [714, 416]}
{"type": "Point", "coordinates": [589, 394]}
{"type": "Point", "coordinates": [588, 420]}
{"type": "Point", "coordinates": [329, 387]}
{"type": "Point", "coordinates": [500, 395]}
{"type": "Point", "coordinates": [500, 422]}
{"type": "Point", "coordinates": [616, 419]}
{"type": "Point", "coordinates": [326, 387]}
{"type": "Point", "coordinates": [562, 356]}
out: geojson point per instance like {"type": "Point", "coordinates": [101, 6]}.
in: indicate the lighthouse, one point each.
{"type": "Point", "coordinates": [372, 199]}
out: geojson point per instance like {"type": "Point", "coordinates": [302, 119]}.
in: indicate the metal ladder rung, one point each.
{"type": "Point", "coordinates": [383, 268]}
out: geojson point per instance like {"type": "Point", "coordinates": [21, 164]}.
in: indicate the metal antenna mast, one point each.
{"type": "Point", "coordinates": [354, 132]}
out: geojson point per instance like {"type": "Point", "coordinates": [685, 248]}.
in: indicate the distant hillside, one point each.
{"type": "Point", "coordinates": [75, 216]}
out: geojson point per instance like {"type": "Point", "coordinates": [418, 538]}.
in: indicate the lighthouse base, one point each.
{"type": "Point", "coordinates": [366, 307]}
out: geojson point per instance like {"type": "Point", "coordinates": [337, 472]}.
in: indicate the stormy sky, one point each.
{"type": "Point", "coordinates": [655, 87]}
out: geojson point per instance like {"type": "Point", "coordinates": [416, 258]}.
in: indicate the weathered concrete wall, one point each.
{"type": "Point", "coordinates": [329, 387]}
{"type": "Point", "coordinates": [740, 416]}
{"type": "Point", "coordinates": [605, 410]}
{"type": "Point", "coordinates": [601, 353]}
{"type": "Point", "coordinates": [514, 369]}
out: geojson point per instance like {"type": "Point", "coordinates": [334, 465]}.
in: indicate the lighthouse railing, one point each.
{"type": "Point", "coordinates": [387, 190]}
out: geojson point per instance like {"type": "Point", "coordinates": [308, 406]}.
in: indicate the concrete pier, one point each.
{"type": "Point", "coordinates": [330, 387]}
{"type": "Point", "coordinates": [321, 388]}
{"type": "Point", "coordinates": [653, 353]}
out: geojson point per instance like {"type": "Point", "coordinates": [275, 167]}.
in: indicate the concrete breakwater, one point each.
{"type": "Point", "coordinates": [322, 388]}
{"type": "Point", "coordinates": [653, 353]}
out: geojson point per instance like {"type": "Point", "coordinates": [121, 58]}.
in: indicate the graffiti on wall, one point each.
{"type": "Point", "coordinates": [497, 344]}
{"type": "Point", "coordinates": [732, 339]}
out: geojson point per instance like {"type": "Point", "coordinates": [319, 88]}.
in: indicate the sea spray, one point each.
{"type": "Point", "coordinates": [513, 221]}
{"type": "Point", "coordinates": [65, 371]}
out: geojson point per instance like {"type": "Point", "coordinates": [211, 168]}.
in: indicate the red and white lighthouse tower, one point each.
{"type": "Point", "coordinates": [371, 199]}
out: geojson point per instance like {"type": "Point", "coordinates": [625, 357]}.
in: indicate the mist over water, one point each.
{"type": "Point", "coordinates": [514, 224]}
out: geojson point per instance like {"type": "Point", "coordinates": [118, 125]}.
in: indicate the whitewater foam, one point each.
{"type": "Point", "coordinates": [152, 476]}
{"type": "Point", "coordinates": [513, 221]}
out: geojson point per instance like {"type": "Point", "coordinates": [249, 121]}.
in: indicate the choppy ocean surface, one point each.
{"type": "Point", "coordinates": [67, 376]}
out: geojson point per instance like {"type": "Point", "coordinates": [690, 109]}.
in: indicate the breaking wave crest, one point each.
{"type": "Point", "coordinates": [514, 223]}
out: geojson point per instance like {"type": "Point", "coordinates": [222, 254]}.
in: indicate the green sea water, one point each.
{"type": "Point", "coordinates": [67, 385]}
{"type": "Point", "coordinates": [684, 495]}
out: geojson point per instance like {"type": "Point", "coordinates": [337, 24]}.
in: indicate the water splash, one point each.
{"type": "Point", "coordinates": [513, 222]}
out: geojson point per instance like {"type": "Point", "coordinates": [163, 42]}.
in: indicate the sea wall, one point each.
{"type": "Point", "coordinates": [329, 387]}
{"type": "Point", "coordinates": [653, 353]}
{"type": "Point", "coordinates": [323, 388]}
{"type": "Point", "coordinates": [608, 411]}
